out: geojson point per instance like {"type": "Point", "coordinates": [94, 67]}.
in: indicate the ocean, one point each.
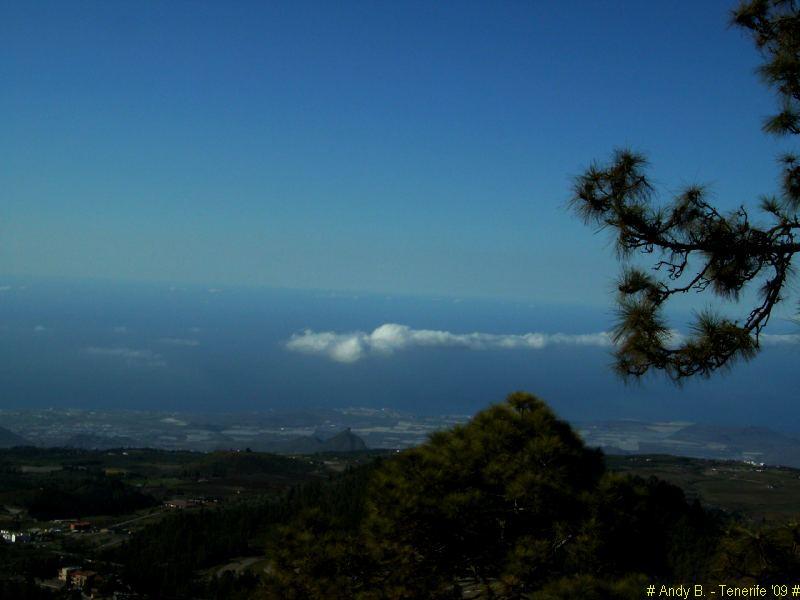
{"type": "Point", "coordinates": [199, 348]}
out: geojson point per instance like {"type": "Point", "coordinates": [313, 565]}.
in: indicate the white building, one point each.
{"type": "Point", "coordinates": [15, 537]}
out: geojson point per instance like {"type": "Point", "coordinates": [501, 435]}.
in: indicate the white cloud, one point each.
{"type": "Point", "coordinates": [391, 337]}
{"type": "Point", "coordinates": [779, 339]}
{"type": "Point", "coordinates": [5, 288]}
{"type": "Point", "coordinates": [120, 329]}
{"type": "Point", "coordinates": [178, 342]}
{"type": "Point", "coordinates": [131, 356]}
{"type": "Point", "coordinates": [39, 329]}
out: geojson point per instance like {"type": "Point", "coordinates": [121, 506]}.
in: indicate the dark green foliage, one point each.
{"type": "Point", "coordinates": [767, 557]}
{"type": "Point", "coordinates": [775, 27]}
{"type": "Point", "coordinates": [511, 505]}
{"type": "Point", "coordinates": [698, 247]}
{"type": "Point", "coordinates": [231, 587]}
{"type": "Point", "coordinates": [499, 496]}
{"type": "Point", "coordinates": [77, 487]}
{"type": "Point", "coordinates": [26, 590]}
{"type": "Point", "coordinates": [645, 526]}
{"type": "Point", "coordinates": [588, 587]}
{"type": "Point", "coordinates": [97, 495]}
{"type": "Point", "coordinates": [320, 557]}
{"type": "Point", "coordinates": [244, 464]}
{"type": "Point", "coordinates": [508, 505]}
{"type": "Point", "coordinates": [320, 553]}
{"type": "Point", "coordinates": [165, 557]}
{"type": "Point", "coordinates": [24, 559]}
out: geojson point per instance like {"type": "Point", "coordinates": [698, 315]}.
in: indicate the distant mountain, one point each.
{"type": "Point", "coordinates": [91, 441]}
{"type": "Point", "coordinates": [9, 439]}
{"type": "Point", "coordinates": [733, 436]}
{"type": "Point", "coordinates": [344, 441]}
{"type": "Point", "coordinates": [753, 443]}
{"type": "Point", "coordinates": [298, 445]}
{"type": "Point", "coordinates": [756, 444]}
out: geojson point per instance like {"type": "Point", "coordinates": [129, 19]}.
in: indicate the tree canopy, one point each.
{"type": "Point", "coordinates": [509, 505]}
{"type": "Point", "coordinates": [695, 247]}
{"type": "Point", "coordinates": [497, 499]}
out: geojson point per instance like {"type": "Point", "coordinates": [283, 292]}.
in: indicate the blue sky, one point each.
{"type": "Point", "coordinates": [395, 147]}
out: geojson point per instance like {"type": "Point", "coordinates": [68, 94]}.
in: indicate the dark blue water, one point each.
{"type": "Point", "coordinates": [98, 345]}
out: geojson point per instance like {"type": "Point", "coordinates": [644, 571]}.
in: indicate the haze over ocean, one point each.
{"type": "Point", "coordinates": [191, 348]}
{"type": "Point", "coordinates": [422, 152]}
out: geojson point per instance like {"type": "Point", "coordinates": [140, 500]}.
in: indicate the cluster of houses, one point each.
{"type": "Point", "coordinates": [183, 503]}
{"type": "Point", "coordinates": [78, 578]}
{"type": "Point", "coordinates": [15, 537]}
{"type": "Point", "coordinates": [23, 537]}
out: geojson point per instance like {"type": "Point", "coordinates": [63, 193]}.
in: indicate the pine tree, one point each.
{"type": "Point", "coordinates": [697, 247]}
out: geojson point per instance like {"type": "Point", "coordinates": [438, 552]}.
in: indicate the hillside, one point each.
{"type": "Point", "coordinates": [715, 442]}
{"type": "Point", "coordinates": [753, 493]}
{"type": "Point", "coordinates": [91, 441]}
{"type": "Point", "coordinates": [9, 439]}
{"type": "Point", "coordinates": [344, 441]}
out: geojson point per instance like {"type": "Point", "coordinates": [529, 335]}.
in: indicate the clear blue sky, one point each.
{"type": "Point", "coordinates": [416, 147]}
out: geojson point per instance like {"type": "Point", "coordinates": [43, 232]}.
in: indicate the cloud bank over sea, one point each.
{"type": "Point", "coordinates": [392, 337]}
